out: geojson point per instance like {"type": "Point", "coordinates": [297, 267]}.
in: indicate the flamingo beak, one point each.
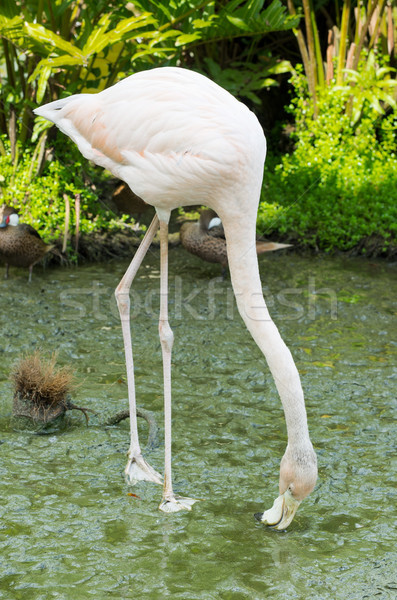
{"type": "Point", "coordinates": [280, 515]}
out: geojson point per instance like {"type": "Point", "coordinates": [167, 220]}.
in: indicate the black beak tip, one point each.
{"type": "Point", "coordinates": [258, 516]}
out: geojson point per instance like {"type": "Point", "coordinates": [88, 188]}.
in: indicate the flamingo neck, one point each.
{"type": "Point", "coordinates": [244, 272]}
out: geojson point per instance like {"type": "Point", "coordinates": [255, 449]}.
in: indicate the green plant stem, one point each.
{"type": "Point", "coordinates": [3, 122]}
{"type": "Point", "coordinates": [358, 49]}
{"type": "Point", "coordinates": [25, 129]}
{"type": "Point", "coordinates": [312, 75]}
{"type": "Point", "coordinates": [40, 8]}
{"type": "Point", "coordinates": [317, 47]}
{"type": "Point", "coordinates": [66, 24]}
{"type": "Point", "coordinates": [9, 65]}
{"type": "Point", "coordinates": [12, 133]}
{"type": "Point", "coordinates": [302, 46]}
{"type": "Point", "coordinates": [337, 13]}
{"type": "Point", "coordinates": [41, 156]}
{"type": "Point", "coordinates": [35, 154]}
{"type": "Point", "coordinates": [21, 71]}
{"type": "Point", "coordinates": [343, 41]}
{"type": "Point", "coordinates": [52, 18]}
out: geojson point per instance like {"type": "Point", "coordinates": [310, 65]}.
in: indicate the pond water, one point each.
{"type": "Point", "coordinates": [68, 527]}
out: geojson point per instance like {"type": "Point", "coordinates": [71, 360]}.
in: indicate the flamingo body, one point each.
{"type": "Point", "coordinates": [178, 139]}
{"type": "Point", "coordinates": [175, 137]}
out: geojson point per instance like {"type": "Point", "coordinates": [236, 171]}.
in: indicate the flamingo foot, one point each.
{"type": "Point", "coordinates": [138, 469]}
{"type": "Point", "coordinates": [176, 503]}
{"type": "Point", "coordinates": [280, 515]}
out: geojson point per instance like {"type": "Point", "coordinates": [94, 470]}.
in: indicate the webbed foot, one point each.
{"type": "Point", "coordinates": [176, 503]}
{"type": "Point", "coordinates": [138, 469]}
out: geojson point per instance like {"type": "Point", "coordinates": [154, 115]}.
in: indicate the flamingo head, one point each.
{"type": "Point", "coordinates": [298, 475]}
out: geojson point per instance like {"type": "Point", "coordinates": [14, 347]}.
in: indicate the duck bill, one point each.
{"type": "Point", "coordinates": [281, 514]}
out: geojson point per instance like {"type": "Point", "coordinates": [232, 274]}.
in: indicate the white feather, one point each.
{"type": "Point", "coordinates": [166, 132]}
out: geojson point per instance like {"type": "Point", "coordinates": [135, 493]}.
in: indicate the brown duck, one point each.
{"type": "Point", "coordinates": [206, 239]}
{"type": "Point", "coordinates": [20, 244]}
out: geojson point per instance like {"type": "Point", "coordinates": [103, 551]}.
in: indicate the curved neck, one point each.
{"type": "Point", "coordinates": [244, 272]}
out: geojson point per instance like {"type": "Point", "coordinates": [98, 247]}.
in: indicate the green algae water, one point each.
{"type": "Point", "coordinates": [69, 528]}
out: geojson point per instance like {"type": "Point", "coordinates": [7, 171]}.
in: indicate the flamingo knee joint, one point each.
{"type": "Point", "coordinates": [166, 335]}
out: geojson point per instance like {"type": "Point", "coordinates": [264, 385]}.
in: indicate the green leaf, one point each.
{"type": "Point", "coordinates": [50, 40]}
{"type": "Point", "coordinates": [100, 39]}
{"type": "Point", "coordinates": [268, 83]}
{"type": "Point", "coordinates": [253, 8]}
{"type": "Point", "coordinates": [164, 9]}
{"type": "Point", "coordinates": [201, 24]}
{"type": "Point", "coordinates": [125, 26]}
{"type": "Point", "coordinates": [253, 97]}
{"type": "Point", "coordinates": [380, 73]}
{"type": "Point", "coordinates": [390, 101]}
{"type": "Point", "coordinates": [282, 66]}
{"type": "Point", "coordinates": [40, 125]}
{"type": "Point", "coordinates": [186, 38]}
{"type": "Point", "coordinates": [238, 23]}
{"type": "Point", "coordinates": [60, 61]}
{"type": "Point", "coordinates": [160, 36]}
{"type": "Point", "coordinates": [10, 8]}
{"type": "Point", "coordinates": [375, 104]}
{"type": "Point", "coordinates": [12, 29]}
{"type": "Point", "coordinates": [93, 44]}
{"type": "Point", "coordinates": [42, 83]}
{"type": "Point", "coordinates": [149, 51]}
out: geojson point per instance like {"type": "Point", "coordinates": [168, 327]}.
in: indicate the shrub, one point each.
{"type": "Point", "coordinates": [40, 199]}
{"type": "Point", "coordinates": [339, 185]}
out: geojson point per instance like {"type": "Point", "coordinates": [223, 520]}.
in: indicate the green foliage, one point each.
{"type": "Point", "coordinates": [40, 201]}
{"type": "Point", "coordinates": [339, 186]}
{"type": "Point", "coordinates": [52, 49]}
{"type": "Point", "coordinates": [245, 79]}
{"type": "Point", "coordinates": [372, 85]}
{"type": "Point", "coordinates": [53, 46]}
{"type": "Point", "coordinates": [348, 33]}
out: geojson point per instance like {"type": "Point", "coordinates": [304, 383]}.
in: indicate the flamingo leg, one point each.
{"type": "Point", "coordinates": [137, 468]}
{"type": "Point", "coordinates": [170, 502]}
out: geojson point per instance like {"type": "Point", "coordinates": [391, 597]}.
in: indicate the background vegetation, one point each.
{"type": "Point", "coordinates": [320, 76]}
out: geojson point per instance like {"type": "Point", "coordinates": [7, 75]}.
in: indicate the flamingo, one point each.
{"type": "Point", "coordinates": [178, 139]}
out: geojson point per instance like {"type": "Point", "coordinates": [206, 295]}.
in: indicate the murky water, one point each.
{"type": "Point", "coordinates": [69, 529]}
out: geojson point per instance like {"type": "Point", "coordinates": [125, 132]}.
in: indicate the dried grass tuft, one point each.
{"type": "Point", "coordinates": [41, 389]}
{"type": "Point", "coordinates": [37, 379]}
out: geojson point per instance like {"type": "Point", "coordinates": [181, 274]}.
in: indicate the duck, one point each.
{"type": "Point", "coordinates": [20, 244]}
{"type": "Point", "coordinates": [206, 239]}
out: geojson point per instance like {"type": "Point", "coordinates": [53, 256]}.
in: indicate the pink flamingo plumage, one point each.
{"type": "Point", "coordinates": [178, 139]}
